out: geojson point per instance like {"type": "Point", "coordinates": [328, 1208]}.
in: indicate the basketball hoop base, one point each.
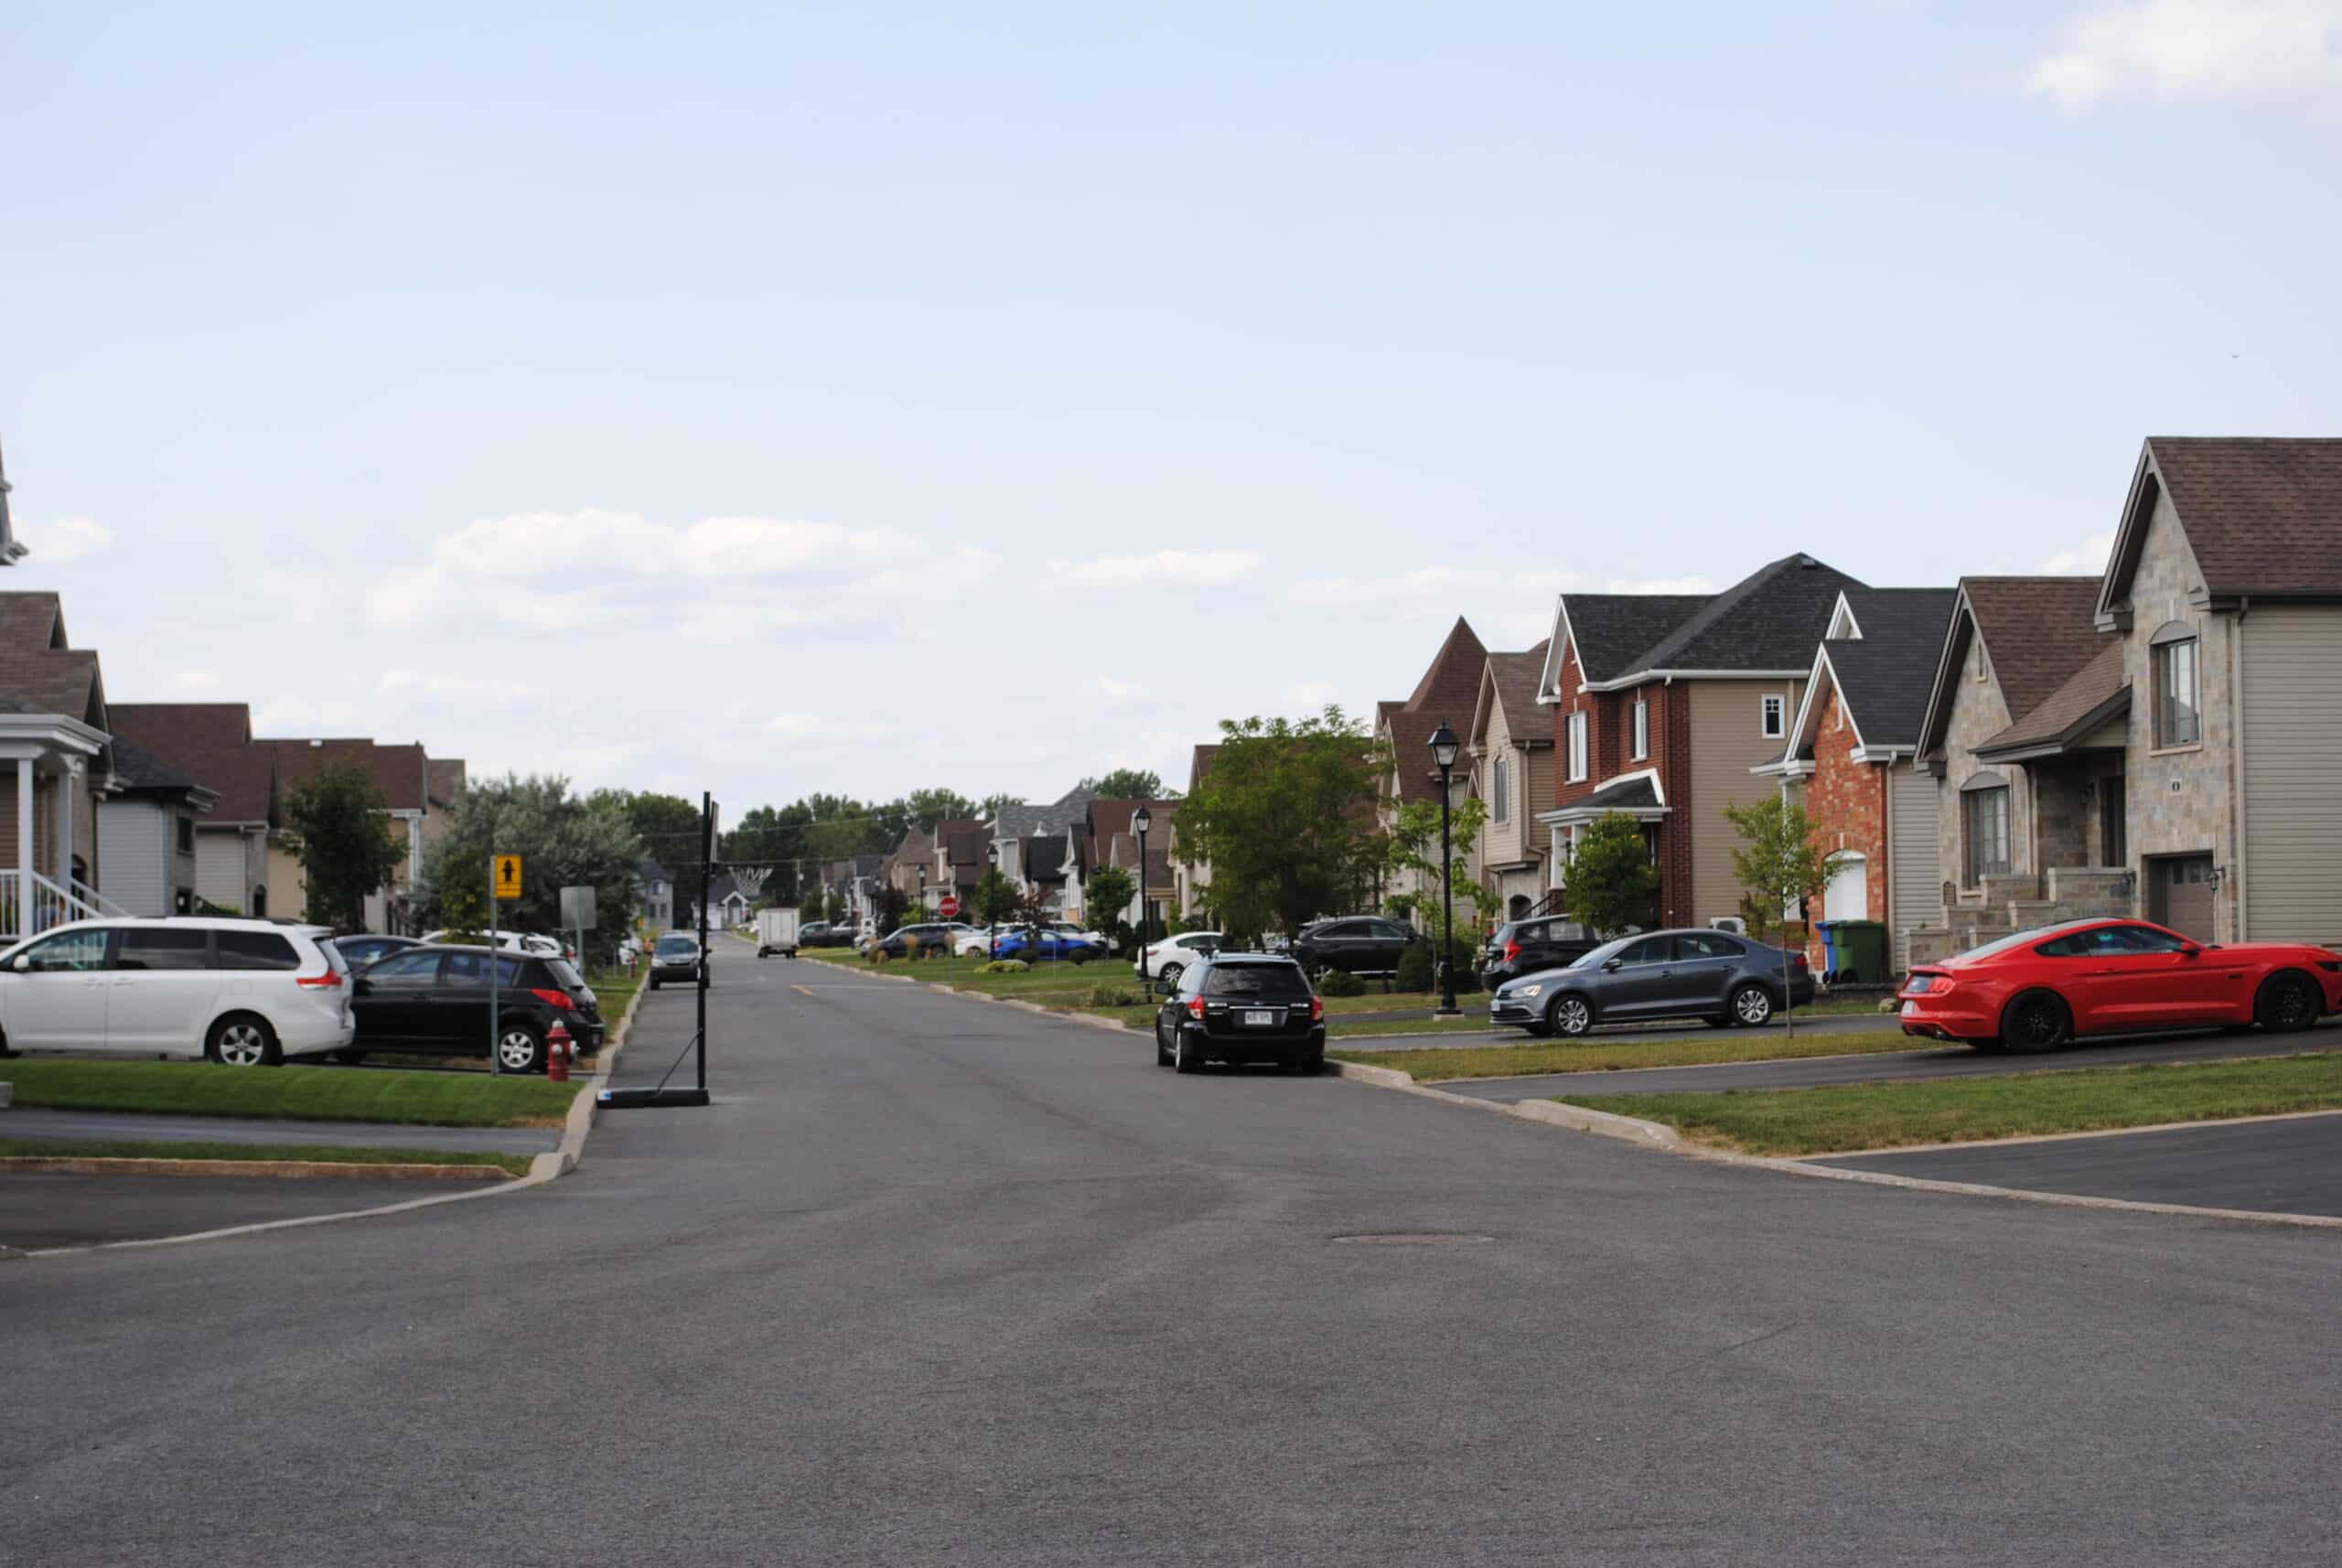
{"type": "Point", "coordinates": [639, 1099]}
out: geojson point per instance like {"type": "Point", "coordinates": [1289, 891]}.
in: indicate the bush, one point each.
{"type": "Point", "coordinates": [878, 958]}
{"type": "Point", "coordinates": [1114, 996]}
{"type": "Point", "coordinates": [1419, 972]}
{"type": "Point", "coordinates": [1340, 982]}
{"type": "Point", "coordinates": [1415, 968]}
{"type": "Point", "coordinates": [1005, 966]}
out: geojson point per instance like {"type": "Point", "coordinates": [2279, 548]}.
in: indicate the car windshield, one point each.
{"type": "Point", "coordinates": [677, 947]}
{"type": "Point", "coordinates": [1268, 981]}
{"type": "Point", "coordinates": [2014, 939]}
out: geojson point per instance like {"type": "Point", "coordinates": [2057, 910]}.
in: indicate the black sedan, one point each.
{"type": "Point", "coordinates": [1357, 944]}
{"type": "Point", "coordinates": [434, 1001]}
{"type": "Point", "coordinates": [1719, 978]}
{"type": "Point", "coordinates": [1242, 1007]}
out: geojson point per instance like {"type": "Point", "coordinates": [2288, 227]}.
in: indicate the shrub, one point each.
{"type": "Point", "coordinates": [1415, 968]}
{"type": "Point", "coordinates": [1340, 982]}
{"type": "Point", "coordinates": [1418, 969]}
{"type": "Point", "coordinates": [878, 958]}
{"type": "Point", "coordinates": [1114, 996]}
{"type": "Point", "coordinates": [1005, 966]}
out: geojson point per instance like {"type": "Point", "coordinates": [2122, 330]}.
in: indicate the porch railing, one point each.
{"type": "Point", "coordinates": [28, 911]}
{"type": "Point", "coordinates": [95, 899]}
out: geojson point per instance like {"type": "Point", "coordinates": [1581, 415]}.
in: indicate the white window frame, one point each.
{"type": "Point", "coordinates": [1772, 716]}
{"type": "Point", "coordinates": [1579, 759]}
{"type": "Point", "coordinates": [1500, 795]}
{"type": "Point", "coordinates": [1642, 728]}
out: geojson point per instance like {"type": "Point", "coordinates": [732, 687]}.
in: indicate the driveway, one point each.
{"type": "Point", "coordinates": [51, 1209]}
{"type": "Point", "coordinates": [2291, 1166]}
{"type": "Point", "coordinates": [238, 1129]}
{"type": "Point", "coordinates": [1893, 1067]}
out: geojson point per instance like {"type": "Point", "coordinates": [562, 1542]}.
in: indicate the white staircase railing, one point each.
{"type": "Point", "coordinates": [96, 901]}
{"type": "Point", "coordinates": [25, 913]}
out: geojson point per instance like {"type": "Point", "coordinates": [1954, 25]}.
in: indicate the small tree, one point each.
{"type": "Point", "coordinates": [994, 898]}
{"type": "Point", "coordinates": [1779, 864]}
{"type": "Point", "coordinates": [892, 904]}
{"type": "Point", "coordinates": [1109, 895]}
{"type": "Point", "coordinates": [343, 841]}
{"type": "Point", "coordinates": [1414, 845]}
{"type": "Point", "coordinates": [1280, 820]}
{"type": "Point", "coordinates": [1612, 883]}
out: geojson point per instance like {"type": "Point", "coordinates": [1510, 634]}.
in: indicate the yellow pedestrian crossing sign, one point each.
{"type": "Point", "coordinates": [508, 877]}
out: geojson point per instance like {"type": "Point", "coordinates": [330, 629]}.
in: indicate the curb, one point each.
{"type": "Point", "coordinates": [94, 1164]}
{"type": "Point", "coordinates": [1627, 1129]}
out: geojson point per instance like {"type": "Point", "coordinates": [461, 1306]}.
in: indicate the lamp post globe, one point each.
{"type": "Point", "coordinates": [1444, 750]}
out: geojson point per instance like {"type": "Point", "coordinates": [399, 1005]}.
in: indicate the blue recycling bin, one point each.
{"type": "Point", "coordinates": [1829, 930]}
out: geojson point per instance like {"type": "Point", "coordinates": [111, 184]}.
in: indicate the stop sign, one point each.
{"type": "Point", "coordinates": [948, 908]}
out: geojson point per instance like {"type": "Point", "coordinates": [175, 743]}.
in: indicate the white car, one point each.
{"type": "Point", "coordinates": [243, 993]}
{"type": "Point", "coordinates": [1167, 960]}
{"type": "Point", "coordinates": [516, 941]}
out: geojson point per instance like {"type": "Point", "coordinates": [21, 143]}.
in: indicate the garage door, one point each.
{"type": "Point", "coordinates": [2293, 811]}
{"type": "Point", "coordinates": [2181, 895]}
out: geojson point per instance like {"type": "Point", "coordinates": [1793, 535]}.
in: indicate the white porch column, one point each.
{"type": "Point", "coordinates": [23, 846]}
{"type": "Point", "coordinates": [66, 780]}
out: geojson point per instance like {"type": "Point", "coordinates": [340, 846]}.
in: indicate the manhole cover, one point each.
{"type": "Point", "coordinates": [1414, 1239]}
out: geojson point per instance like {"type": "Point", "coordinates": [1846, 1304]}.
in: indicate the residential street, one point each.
{"type": "Point", "coordinates": [935, 1281]}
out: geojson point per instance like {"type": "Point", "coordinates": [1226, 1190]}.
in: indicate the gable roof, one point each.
{"type": "Point", "coordinates": [399, 771]}
{"type": "Point", "coordinates": [2038, 631]}
{"type": "Point", "coordinates": [211, 743]}
{"type": "Point", "coordinates": [2262, 516]}
{"type": "Point", "coordinates": [1766, 623]}
{"type": "Point", "coordinates": [32, 622]}
{"type": "Point", "coordinates": [2087, 699]}
{"type": "Point", "coordinates": [38, 667]}
{"type": "Point", "coordinates": [1021, 821]}
{"type": "Point", "coordinates": [1884, 675]}
{"type": "Point", "coordinates": [1200, 764]}
{"type": "Point", "coordinates": [138, 771]}
{"type": "Point", "coordinates": [1609, 630]}
{"type": "Point", "coordinates": [1508, 686]}
{"type": "Point", "coordinates": [1453, 681]}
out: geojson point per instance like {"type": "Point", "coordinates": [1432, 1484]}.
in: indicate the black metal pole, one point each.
{"type": "Point", "coordinates": [1146, 981]}
{"type": "Point", "coordinates": [1446, 903]}
{"type": "Point", "coordinates": [706, 870]}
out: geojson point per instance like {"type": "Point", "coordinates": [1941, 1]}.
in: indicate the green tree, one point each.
{"type": "Point", "coordinates": [1281, 819]}
{"type": "Point", "coordinates": [1414, 845]}
{"type": "Point", "coordinates": [563, 841]}
{"type": "Point", "coordinates": [1108, 896]}
{"type": "Point", "coordinates": [1128, 784]}
{"type": "Point", "coordinates": [344, 842]}
{"type": "Point", "coordinates": [1612, 882]}
{"type": "Point", "coordinates": [995, 897]}
{"type": "Point", "coordinates": [928, 807]}
{"type": "Point", "coordinates": [1778, 862]}
{"type": "Point", "coordinates": [668, 825]}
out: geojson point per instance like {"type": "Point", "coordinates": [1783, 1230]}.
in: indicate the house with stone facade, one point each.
{"type": "Point", "coordinates": [1510, 743]}
{"type": "Point", "coordinates": [1848, 756]}
{"type": "Point", "coordinates": [1662, 703]}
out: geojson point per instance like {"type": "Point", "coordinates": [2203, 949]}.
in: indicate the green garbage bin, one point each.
{"type": "Point", "coordinates": [1862, 952]}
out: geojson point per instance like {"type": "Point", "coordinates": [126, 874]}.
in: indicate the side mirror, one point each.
{"type": "Point", "coordinates": [2191, 951]}
{"type": "Point", "coordinates": [21, 964]}
{"type": "Point", "coordinates": [1611, 963]}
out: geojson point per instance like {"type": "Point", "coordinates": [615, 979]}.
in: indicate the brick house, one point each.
{"type": "Point", "coordinates": [1446, 693]}
{"type": "Point", "coordinates": [1662, 703]}
{"type": "Point", "coordinates": [1190, 885]}
{"type": "Point", "coordinates": [1848, 759]}
{"type": "Point", "coordinates": [1512, 748]}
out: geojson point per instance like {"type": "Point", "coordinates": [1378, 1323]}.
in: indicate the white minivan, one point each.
{"type": "Point", "coordinates": [245, 992]}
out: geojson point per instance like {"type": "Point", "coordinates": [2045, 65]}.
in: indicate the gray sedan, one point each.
{"type": "Point", "coordinates": [1711, 975]}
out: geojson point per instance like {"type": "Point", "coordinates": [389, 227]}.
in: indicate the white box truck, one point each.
{"type": "Point", "coordinates": [777, 932]}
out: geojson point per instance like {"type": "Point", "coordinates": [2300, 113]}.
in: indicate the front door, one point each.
{"type": "Point", "coordinates": [163, 992]}
{"type": "Point", "coordinates": [58, 999]}
{"type": "Point", "coordinates": [2180, 894]}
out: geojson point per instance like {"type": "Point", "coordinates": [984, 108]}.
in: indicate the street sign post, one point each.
{"type": "Point", "coordinates": [508, 877]}
{"type": "Point", "coordinates": [579, 912]}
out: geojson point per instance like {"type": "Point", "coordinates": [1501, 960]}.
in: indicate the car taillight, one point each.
{"type": "Point", "coordinates": [1511, 951]}
{"type": "Point", "coordinates": [329, 980]}
{"type": "Point", "coordinates": [1797, 961]}
{"type": "Point", "coordinates": [560, 999]}
{"type": "Point", "coordinates": [1195, 1007]}
{"type": "Point", "coordinates": [1316, 1008]}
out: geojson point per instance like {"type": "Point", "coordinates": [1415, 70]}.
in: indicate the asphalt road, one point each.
{"type": "Point", "coordinates": [235, 1130]}
{"type": "Point", "coordinates": [43, 1209]}
{"type": "Point", "coordinates": [1893, 1067]}
{"type": "Point", "coordinates": [2291, 1166]}
{"type": "Point", "coordinates": [935, 1281]}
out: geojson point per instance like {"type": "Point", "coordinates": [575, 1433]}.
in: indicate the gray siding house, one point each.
{"type": "Point", "coordinates": [147, 832]}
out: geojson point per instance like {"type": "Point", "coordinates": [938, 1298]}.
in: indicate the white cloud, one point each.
{"type": "Point", "coordinates": [302, 596]}
{"type": "Point", "coordinates": [1692, 584]}
{"type": "Point", "coordinates": [187, 682]}
{"type": "Point", "coordinates": [2282, 50]}
{"type": "Point", "coordinates": [2085, 559]}
{"type": "Point", "coordinates": [925, 575]}
{"type": "Point", "coordinates": [826, 726]}
{"type": "Point", "coordinates": [1110, 690]}
{"type": "Point", "coordinates": [1310, 694]}
{"type": "Point", "coordinates": [287, 714]}
{"type": "Point", "coordinates": [1431, 590]}
{"type": "Point", "coordinates": [454, 688]}
{"type": "Point", "coordinates": [67, 539]}
{"type": "Point", "coordinates": [1164, 568]}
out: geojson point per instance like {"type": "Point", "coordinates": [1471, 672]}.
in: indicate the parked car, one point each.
{"type": "Point", "coordinates": [2036, 990]}
{"type": "Point", "coordinates": [931, 937]}
{"type": "Point", "coordinates": [1524, 947]}
{"type": "Point", "coordinates": [1241, 1007]}
{"type": "Point", "coordinates": [1357, 944]}
{"type": "Point", "coordinates": [824, 934]}
{"type": "Point", "coordinates": [1167, 960]}
{"type": "Point", "coordinates": [676, 957]}
{"type": "Point", "coordinates": [434, 1001]}
{"type": "Point", "coordinates": [365, 947]}
{"type": "Point", "coordinates": [1706, 974]}
{"type": "Point", "coordinates": [242, 992]}
{"type": "Point", "coordinates": [527, 943]}
{"type": "Point", "coordinates": [1099, 940]}
{"type": "Point", "coordinates": [1048, 945]}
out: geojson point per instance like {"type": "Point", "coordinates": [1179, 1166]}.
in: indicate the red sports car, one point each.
{"type": "Point", "coordinates": [2036, 990]}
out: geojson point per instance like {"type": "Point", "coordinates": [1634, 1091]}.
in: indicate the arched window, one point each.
{"type": "Point", "coordinates": [2178, 716]}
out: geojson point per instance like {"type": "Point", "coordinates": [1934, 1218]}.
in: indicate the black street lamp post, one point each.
{"type": "Point", "coordinates": [1142, 820]}
{"type": "Point", "coordinates": [1443, 751]}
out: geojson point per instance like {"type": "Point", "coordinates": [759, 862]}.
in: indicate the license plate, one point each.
{"type": "Point", "coordinates": [1909, 1008]}
{"type": "Point", "coordinates": [1259, 1019]}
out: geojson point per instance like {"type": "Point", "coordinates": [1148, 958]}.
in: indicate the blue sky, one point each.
{"type": "Point", "coordinates": [882, 395]}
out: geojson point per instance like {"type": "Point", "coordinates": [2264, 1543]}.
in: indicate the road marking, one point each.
{"type": "Point", "coordinates": [800, 990]}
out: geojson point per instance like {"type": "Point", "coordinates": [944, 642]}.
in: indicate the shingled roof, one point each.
{"type": "Point", "coordinates": [1769, 620]}
{"type": "Point", "coordinates": [2090, 696]}
{"type": "Point", "coordinates": [212, 743]}
{"type": "Point", "coordinates": [400, 772]}
{"type": "Point", "coordinates": [1453, 681]}
{"type": "Point", "coordinates": [2262, 516]}
{"type": "Point", "coordinates": [1885, 676]}
{"type": "Point", "coordinates": [38, 668]}
{"type": "Point", "coordinates": [1509, 687]}
{"type": "Point", "coordinates": [138, 771]}
{"type": "Point", "coordinates": [2037, 630]}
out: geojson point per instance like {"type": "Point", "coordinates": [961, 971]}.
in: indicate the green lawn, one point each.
{"type": "Point", "coordinates": [334, 1154]}
{"type": "Point", "coordinates": [318, 1094]}
{"type": "Point", "coordinates": [1846, 1118]}
{"type": "Point", "coordinates": [1617, 1054]}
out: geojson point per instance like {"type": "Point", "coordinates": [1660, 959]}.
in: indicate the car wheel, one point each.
{"type": "Point", "coordinates": [1752, 1007]}
{"type": "Point", "coordinates": [518, 1049]}
{"type": "Point", "coordinates": [242, 1040]}
{"type": "Point", "coordinates": [349, 1056]}
{"type": "Point", "coordinates": [1540, 1027]}
{"type": "Point", "coordinates": [2287, 1003]}
{"type": "Point", "coordinates": [1569, 1015]}
{"type": "Point", "coordinates": [2036, 1021]}
{"type": "Point", "coordinates": [1162, 1051]}
{"type": "Point", "coordinates": [1313, 1064]}
{"type": "Point", "coordinates": [1170, 977]}
{"type": "Point", "coordinates": [1185, 1055]}
{"type": "Point", "coordinates": [654, 984]}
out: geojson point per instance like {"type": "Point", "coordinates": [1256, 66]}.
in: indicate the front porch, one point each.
{"type": "Point", "coordinates": [47, 825]}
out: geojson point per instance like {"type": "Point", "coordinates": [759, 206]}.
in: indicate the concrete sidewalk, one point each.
{"type": "Point", "coordinates": [147, 1128]}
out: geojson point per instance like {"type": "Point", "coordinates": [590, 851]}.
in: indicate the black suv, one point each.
{"type": "Point", "coordinates": [1242, 1007]}
{"type": "Point", "coordinates": [1524, 947]}
{"type": "Point", "coordinates": [433, 1001]}
{"type": "Point", "coordinates": [1358, 944]}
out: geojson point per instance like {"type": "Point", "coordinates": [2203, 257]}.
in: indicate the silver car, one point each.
{"type": "Point", "coordinates": [1713, 976]}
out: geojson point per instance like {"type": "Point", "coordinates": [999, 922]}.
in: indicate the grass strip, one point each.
{"type": "Point", "coordinates": [1849, 1118]}
{"type": "Point", "coordinates": [291, 1093]}
{"type": "Point", "coordinates": [274, 1154]}
{"type": "Point", "coordinates": [1621, 1054]}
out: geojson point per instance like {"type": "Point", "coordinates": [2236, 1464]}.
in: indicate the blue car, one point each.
{"type": "Point", "coordinates": [1062, 947]}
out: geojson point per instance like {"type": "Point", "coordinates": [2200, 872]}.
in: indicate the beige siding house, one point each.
{"type": "Point", "coordinates": [1511, 745]}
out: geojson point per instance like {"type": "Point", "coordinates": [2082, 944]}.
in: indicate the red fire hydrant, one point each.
{"type": "Point", "coordinates": [557, 1053]}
